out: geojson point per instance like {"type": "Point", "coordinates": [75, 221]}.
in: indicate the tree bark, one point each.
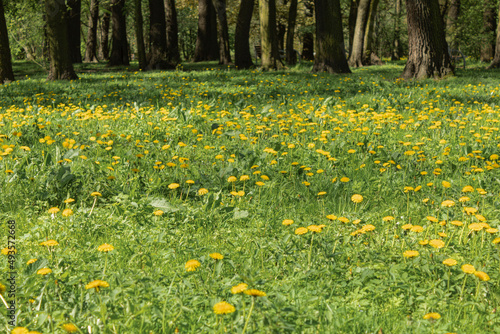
{"type": "Point", "coordinates": [6, 73]}
{"type": "Point", "coordinates": [119, 45]}
{"type": "Point", "coordinates": [242, 56]}
{"type": "Point", "coordinates": [269, 41]}
{"type": "Point", "coordinates": [369, 55]}
{"type": "Point", "coordinates": [74, 29]}
{"type": "Point", "coordinates": [396, 43]}
{"type": "Point", "coordinates": [61, 67]}
{"type": "Point", "coordinates": [91, 45]}
{"type": "Point", "coordinates": [224, 49]}
{"type": "Point", "coordinates": [489, 29]}
{"type": "Point", "coordinates": [173, 55]}
{"type": "Point", "coordinates": [139, 34]}
{"type": "Point", "coordinates": [451, 23]}
{"type": "Point", "coordinates": [207, 46]}
{"type": "Point", "coordinates": [356, 55]}
{"type": "Point", "coordinates": [353, 14]}
{"type": "Point", "coordinates": [496, 60]}
{"type": "Point", "coordinates": [291, 55]}
{"type": "Point", "coordinates": [158, 36]}
{"type": "Point", "coordinates": [330, 51]}
{"type": "Point", "coordinates": [428, 50]}
{"type": "Point", "coordinates": [104, 36]}
{"type": "Point", "coordinates": [308, 46]}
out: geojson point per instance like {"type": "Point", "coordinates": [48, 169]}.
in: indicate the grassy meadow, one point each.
{"type": "Point", "coordinates": [210, 200]}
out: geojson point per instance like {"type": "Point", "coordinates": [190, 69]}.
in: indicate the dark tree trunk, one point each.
{"type": "Point", "coordinates": [242, 56]}
{"type": "Point", "coordinates": [119, 45]}
{"type": "Point", "coordinates": [356, 55]}
{"type": "Point", "coordinates": [452, 22]}
{"type": "Point", "coordinates": [489, 29]}
{"type": "Point", "coordinates": [104, 36]}
{"type": "Point", "coordinates": [74, 29]}
{"type": "Point", "coordinates": [158, 36]}
{"type": "Point", "coordinates": [173, 55]}
{"type": "Point", "coordinates": [91, 45]}
{"type": "Point", "coordinates": [268, 38]}
{"type": "Point", "coordinates": [6, 73]}
{"type": "Point", "coordinates": [308, 46]}
{"type": "Point", "coordinates": [496, 60]}
{"type": "Point", "coordinates": [291, 55]}
{"type": "Point", "coordinates": [224, 49]}
{"type": "Point", "coordinates": [353, 14]}
{"type": "Point", "coordinates": [396, 43]}
{"type": "Point", "coordinates": [207, 46]}
{"type": "Point", "coordinates": [61, 67]}
{"type": "Point", "coordinates": [139, 34]}
{"type": "Point", "coordinates": [330, 51]}
{"type": "Point", "coordinates": [281, 32]}
{"type": "Point", "coordinates": [428, 50]}
{"type": "Point", "coordinates": [369, 55]}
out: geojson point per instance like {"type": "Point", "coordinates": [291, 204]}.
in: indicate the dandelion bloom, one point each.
{"type": "Point", "coordinates": [173, 186]}
{"type": "Point", "coordinates": [239, 288]}
{"type": "Point", "coordinates": [432, 315]}
{"type": "Point", "coordinates": [191, 265]}
{"type": "Point", "coordinates": [331, 217]}
{"type": "Point", "coordinates": [54, 210]}
{"type": "Point", "coordinates": [97, 284]}
{"type": "Point", "coordinates": [467, 189]}
{"type": "Point", "coordinates": [259, 183]}
{"type": "Point", "coordinates": [407, 226]}
{"type": "Point", "coordinates": [95, 193]}
{"type": "Point", "coordinates": [2, 288]}
{"type": "Point", "coordinates": [287, 222]}
{"type": "Point", "coordinates": [158, 213]}
{"type": "Point", "coordinates": [356, 222]}
{"type": "Point", "coordinates": [468, 269]}
{"type": "Point", "coordinates": [475, 227]}
{"type": "Point", "coordinates": [410, 253]}
{"type": "Point", "coordinates": [448, 203]}
{"type": "Point", "coordinates": [67, 212]}
{"type": "Point", "coordinates": [70, 328]}
{"type": "Point", "coordinates": [223, 308]}
{"type": "Point", "coordinates": [423, 242]}
{"type": "Point", "coordinates": [492, 230]}
{"type": "Point", "coordinates": [470, 211]}
{"type": "Point", "coordinates": [105, 248]}
{"type": "Point", "coordinates": [30, 261]}
{"type": "Point", "coordinates": [216, 256]}
{"type": "Point", "coordinates": [368, 228]}
{"type": "Point", "coordinates": [49, 243]}
{"type": "Point", "coordinates": [446, 184]}
{"type": "Point", "coordinates": [255, 293]}
{"type": "Point", "coordinates": [482, 275]}
{"type": "Point", "coordinates": [232, 179]}
{"type": "Point", "coordinates": [356, 198]}
{"type": "Point", "coordinates": [190, 182]}
{"type": "Point", "coordinates": [69, 200]}
{"type": "Point", "coordinates": [436, 243]}
{"type": "Point", "coordinates": [44, 271]}
{"type": "Point", "coordinates": [432, 219]}
{"type": "Point", "coordinates": [480, 217]}
{"type": "Point", "coordinates": [450, 262]}
{"type": "Point", "coordinates": [7, 250]}
{"type": "Point", "coordinates": [202, 191]}
{"type": "Point", "coordinates": [244, 177]}
{"type": "Point", "coordinates": [344, 219]}
{"type": "Point", "coordinates": [321, 193]}
{"type": "Point", "coordinates": [387, 218]}
{"type": "Point", "coordinates": [456, 223]}
{"type": "Point", "coordinates": [20, 330]}
{"type": "Point", "coordinates": [301, 230]}
{"type": "Point", "coordinates": [417, 228]}
{"type": "Point", "coordinates": [344, 179]}
{"type": "Point", "coordinates": [464, 199]}
{"type": "Point", "coordinates": [315, 228]}
{"type": "Point", "coordinates": [496, 241]}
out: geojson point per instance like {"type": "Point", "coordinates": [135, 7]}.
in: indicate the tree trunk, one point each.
{"type": "Point", "coordinates": [428, 50]}
{"type": "Point", "coordinates": [291, 55]}
{"type": "Point", "coordinates": [61, 67]}
{"type": "Point", "coordinates": [158, 36]}
{"type": "Point", "coordinates": [104, 36]}
{"type": "Point", "coordinates": [397, 47]}
{"type": "Point", "coordinates": [74, 29]}
{"type": "Point", "coordinates": [269, 40]}
{"type": "Point", "coordinates": [330, 51]}
{"type": "Point", "coordinates": [119, 45]}
{"type": "Point", "coordinates": [451, 23]}
{"type": "Point", "coordinates": [489, 28]}
{"type": "Point", "coordinates": [308, 46]}
{"type": "Point", "coordinates": [139, 34]}
{"type": "Point", "coordinates": [224, 49]}
{"type": "Point", "coordinates": [91, 45]}
{"type": "Point", "coordinates": [353, 13]}
{"type": "Point", "coordinates": [242, 56]}
{"type": "Point", "coordinates": [369, 56]}
{"type": "Point", "coordinates": [356, 55]}
{"type": "Point", "coordinates": [496, 60]}
{"type": "Point", "coordinates": [6, 73]}
{"type": "Point", "coordinates": [280, 35]}
{"type": "Point", "coordinates": [207, 46]}
{"type": "Point", "coordinates": [173, 55]}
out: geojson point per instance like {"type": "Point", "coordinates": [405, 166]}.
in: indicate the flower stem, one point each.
{"type": "Point", "coordinates": [463, 287]}
{"type": "Point", "coordinates": [310, 251]}
{"type": "Point", "coordinates": [249, 314]}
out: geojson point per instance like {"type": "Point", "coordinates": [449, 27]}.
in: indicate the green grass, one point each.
{"type": "Point", "coordinates": [117, 132]}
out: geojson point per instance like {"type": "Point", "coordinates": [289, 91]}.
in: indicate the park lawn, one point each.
{"type": "Point", "coordinates": [344, 203]}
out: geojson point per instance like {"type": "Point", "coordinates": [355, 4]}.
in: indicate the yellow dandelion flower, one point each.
{"type": "Point", "coordinates": [442, 234]}
{"type": "Point", "coordinates": [492, 230]}
{"type": "Point", "coordinates": [67, 212]}
{"type": "Point", "coordinates": [173, 186]}
{"type": "Point", "coordinates": [480, 218]}
{"type": "Point", "coordinates": [244, 178]}
{"type": "Point", "coordinates": [259, 183]}
{"type": "Point", "coordinates": [97, 284]}
{"type": "Point", "coordinates": [496, 241]}
{"type": "Point", "coordinates": [344, 219]}
{"type": "Point", "coordinates": [105, 248]}
{"type": "Point", "coordinates": [345, 179]}
{"type": "Point", "coordinates": [433, 315]}
{"type": "Point", "coordinates": [387, 218]}
{"type": "Point", "coordinates": [216, 256]}
{"type": "Point", "coordinates": [20, 330]}
{"type": "Point", "coordinates": [315, 228]}
{"type": "Point", "coordinates": [44, 271]}
{"type": "Point", "coordinates": [481, 191]}
{"type": "Point", "coordinates": [190, 182]}
{"type": "Point", "coordinates": [7, 250]}
{"type": "Point", "coordinates": [202, 191]}
{"type": "Point", "coordinates": [321, 193]}
{"type": "Point", "coordinates": [423, 242]}
{"type": "Point", "coordinates": [96, 193]}
{"type": "Point", "coordinates": [468, 269]}
{"type": "Point", "coordinates": [407, 226]}
{"type": "Point", "coordinates": [356, 221]}
{"type": "Point", "coordinates": [417, 228]}
{"type": "Point", "coordinates": [482, 275]}
{"type": "Point", "coordinates": [191, 265]}
{"type": "Point", "coordinates": [287, 222]}
{"type": "Point", "coordinates": [301, 230]}
{"type": "Point", "coordinates": [239, 288]}
{"type": "Point", "coordinates": [432, 219]}
{"type": "Point", "coordinates": [464, 199]}
{"type": "Point", "coordinates": [30, 261]}
{"type": "Point", "coordinates": [356, 198]}
{"type": "Point", "coordinates": [410, 253]}
{"type": "Point", "coordinates": [475, 227]}
{"type": "Point", "coordinates": [69, 200]}
{"type": "Point", "coordinates": [368, 228]}
{"type": "Point", "coordinates": [467, 189]}
{"type": "Point", "coordinates": [255, 293]}
{"type": "Point", "coordinates": [2, 289]}
{"type": "Point", "coordinates": [450, 262]}
{"type": "Point", "coordinates": [446, 184]}
{"type": "Point", "coordinates": [49, 243]}
{"type": "Point", "coordinates": [54, 210]}
{"type": "Point", "coordinates": [456, 223]}
{"type": "Point", "coordinates": [447, 204]}
{"type": "Point", "coordinates": [223, 308]}
{"type": "Point", "coordinates": [437, 243]}
{"type": "Point", "coordinates": [331, 217]}
{"type": "Point", "coordinates": [232, 179]}
{"type": "Point", "coordinates": [70, 328]}
{"type": "Point", "coordinates": [158, 213]}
